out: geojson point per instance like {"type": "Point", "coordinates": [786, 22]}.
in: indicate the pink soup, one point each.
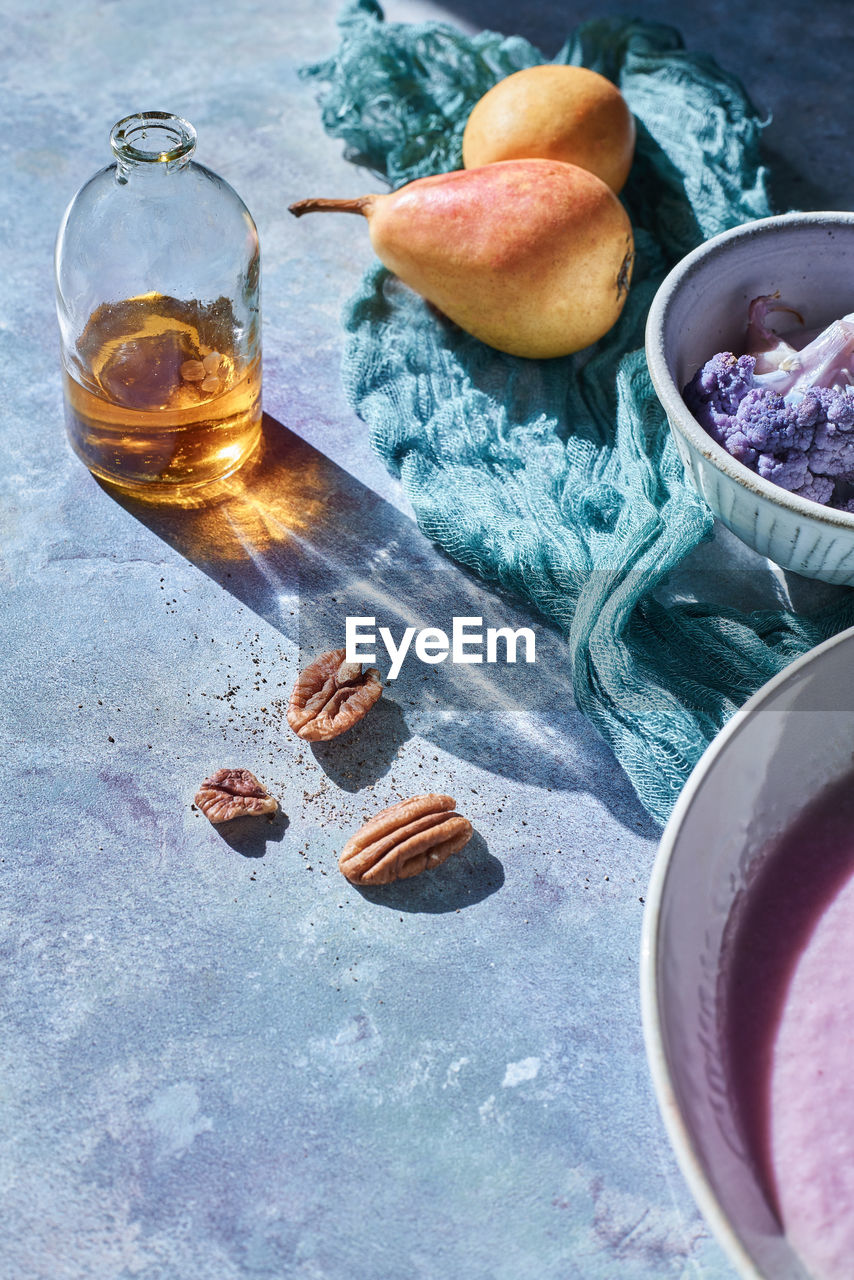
{"type": "Point", "coordinates": [789, 1030]}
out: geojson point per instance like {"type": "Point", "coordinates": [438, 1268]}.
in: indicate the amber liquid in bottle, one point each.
{"type": "Point", "coordinates": [159, 403]}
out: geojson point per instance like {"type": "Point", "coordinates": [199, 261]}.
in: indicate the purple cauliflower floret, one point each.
{"type": "Point", "coordinates": [799, 437]}
{"type": "Point", "coordinates": [819, 488]}
{"type": "Point", "coordinates": [832, 453]}
{"type": "Point", "coordinates": [715, 391]}
{"type": "Point", "coordinates": [789, 472]}
{"type": "Point", "coordinates": [835, 405]}
{"type": "Point", "coordinates": [771, 425]}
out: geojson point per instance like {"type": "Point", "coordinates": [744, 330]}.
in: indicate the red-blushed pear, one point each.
{"type": "Point", "coordinates": [533, 257]}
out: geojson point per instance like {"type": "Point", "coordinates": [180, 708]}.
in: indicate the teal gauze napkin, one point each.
{"type": "Point", "coordinates": [558, 479]}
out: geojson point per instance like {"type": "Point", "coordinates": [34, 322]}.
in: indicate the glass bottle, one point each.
{"type": "Point", "coordinates": [157, 279]}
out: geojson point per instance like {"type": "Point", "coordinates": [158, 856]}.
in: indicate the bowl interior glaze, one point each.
{"type": "Point", "coordinates": [702, 308]}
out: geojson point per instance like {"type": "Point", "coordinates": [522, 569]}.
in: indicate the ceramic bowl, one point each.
{"type": "Point", "coordinates": [700, 309]}
{"type": "Point", "coordinates": [792, 738]}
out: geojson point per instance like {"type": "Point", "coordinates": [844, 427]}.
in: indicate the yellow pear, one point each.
{"type": "Point", "coordinates": [533, 257]}
{"type": "Point", "coordinates": [557, 113]}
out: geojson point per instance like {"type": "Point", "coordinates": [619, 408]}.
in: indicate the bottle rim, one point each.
{"type": "Point", "coordinates": [152, 137]}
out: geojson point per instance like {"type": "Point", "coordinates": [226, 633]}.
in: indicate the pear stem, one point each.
{"type": "Point", "coordinates": [359, 204]}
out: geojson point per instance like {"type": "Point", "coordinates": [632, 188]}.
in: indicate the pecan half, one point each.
{"type": "Point", "coordinates": [332, 695]}
{"type": "Point", "coordinates": [233, 793]}
{"type": "Point", "coordinates": [402, 841]}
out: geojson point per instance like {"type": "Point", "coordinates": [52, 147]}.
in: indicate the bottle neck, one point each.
{"type": "Point", "coordinates": [151, 143]}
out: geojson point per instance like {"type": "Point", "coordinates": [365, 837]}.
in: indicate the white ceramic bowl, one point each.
{"type": "Point", "coordinates": [700, 309]}
{"type": "Point", "coordinates": [791, 739]}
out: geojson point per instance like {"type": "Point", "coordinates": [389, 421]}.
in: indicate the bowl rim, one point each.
{"type": "Point", "coordinates": [687, 1156]}
{"type": "Point", "coordinates": [670, 395]}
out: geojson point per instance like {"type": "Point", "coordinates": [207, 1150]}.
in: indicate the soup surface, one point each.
{"type": "Point", "coordinates": [789, 1030]}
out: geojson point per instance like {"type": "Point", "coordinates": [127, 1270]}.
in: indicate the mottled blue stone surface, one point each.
{"type": "Point", "coordinates": [218, 1060]}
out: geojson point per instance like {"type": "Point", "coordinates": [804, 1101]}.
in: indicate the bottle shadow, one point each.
{"type": "Point", "coordinates": [304, 545]}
